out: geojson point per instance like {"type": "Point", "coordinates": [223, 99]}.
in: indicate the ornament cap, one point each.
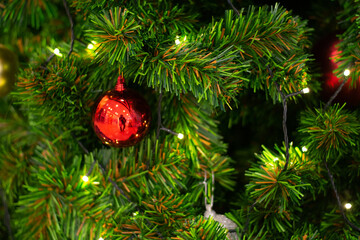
{"type": "Point", "coordinates": [120, 85]}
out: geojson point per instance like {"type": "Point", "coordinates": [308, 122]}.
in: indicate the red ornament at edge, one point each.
{"type": "Point", "coordinates": [121, 117]}
{"type": "Point", "coordinates": [347, 93]}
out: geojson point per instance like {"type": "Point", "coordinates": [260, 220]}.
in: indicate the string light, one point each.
{"type": "Point", "coordinates": [101, 238]}
{"type": "Point", "coordinates": [177, 41]}
{"type": "Point", "coordinates": [276, 159]}
{"type": "Point", "coordinates": [348, 205]}
{"type": "Point", "coordinates": [85, 178]}
{"type": "Point", "coordinates": [180, 135]}
{"type": "Point", "coordinates": [90, 46]}
{"type": "Point", "coordinates": [306, 90]}
{"type": "Point", "coordinates": [57, 52]}
{"type": "Point", "coordinates": [347, 72]}
{"type": "Point", "coordinates": [304, 149]}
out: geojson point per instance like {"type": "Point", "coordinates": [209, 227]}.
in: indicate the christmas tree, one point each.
{"type": "Point", "coordinates": [179, 120]}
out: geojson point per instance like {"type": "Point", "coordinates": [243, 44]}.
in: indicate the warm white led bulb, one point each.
{"type": "Point", "coordinates": [304, 149]}
{"type": "Point", "coordinates": [85, 178]}
{"type": "Point", "coordinates": [90, 46]}
{"type": "Point", "coordinates": [177, 41]}
{"type": "Point", "coordinates": [56, 51]}
{"type": "Point", "coordinates": [306, 90]}
{"type": "Point", "coordinates": [347, 72]}
{"type": "Point", "coordinates": [180, 135]}
{"type": "Point", "coordinates": [348, 205]}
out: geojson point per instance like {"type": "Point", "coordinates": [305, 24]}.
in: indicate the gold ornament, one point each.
{"type": "Point", "coordinates": [8, 69]}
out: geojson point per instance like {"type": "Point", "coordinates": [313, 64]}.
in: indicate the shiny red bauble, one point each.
{"type": "Point", "coordinates": [121, 117]}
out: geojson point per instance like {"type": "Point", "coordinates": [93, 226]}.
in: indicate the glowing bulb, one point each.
{"type": "Point", "coordinates": [276, 159]}
{"type": "Point", "coordinates": [306, 90]}
{"type": "Point", "coordinates": [304, 149]}
{"type": "Point", "coordinates": [347, 72]}
{"type": "Point", "coordinates": [348, 205]}
{"type": "Point", "coordinates": [90, 46]}
{"type": "Point", "coordinates": [57, 51]}
{"type": "Point", "coordinates": [177, 40]}
{"type": "Point", "coordinates": [135, 213]}
{"type": "Point", "coordinates": [101, 238]}
{"type": "Point", "coordinates": [180, 135]}
{"type": "Point", "coordinates": [85, 178]}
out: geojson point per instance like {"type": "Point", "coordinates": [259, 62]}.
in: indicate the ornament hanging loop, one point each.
{"type": "Point", "coordinates": [120, 84]}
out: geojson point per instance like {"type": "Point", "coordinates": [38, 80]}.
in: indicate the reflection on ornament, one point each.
{"type": "Point", "coordinates": [121, 117]}
{"type": "Point", "coordinates": [2, 82]}
{"type": "Point", "coordinates": [8, 69]}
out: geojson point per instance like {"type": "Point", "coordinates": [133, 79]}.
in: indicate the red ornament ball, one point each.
{"type": "Point", "coordinates": [348, 94]}
{"type": "Point", "coordinates": [121, 117]}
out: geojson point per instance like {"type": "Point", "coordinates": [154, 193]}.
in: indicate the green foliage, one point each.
{"type": "Point", "coordinates": [279, 194]}
{"type": "Point", "coordinates": [29, 12]}
{"type": "Point", "coordinates": [61, 205]}
{"type": "Point", "coordinates": [163, 17]}
{"type": "Point", "coordinates": [201, 228]}
{"type": "Point", "coordinates": [167, 210]}
{"type": "Point", "coordinates": [214, 64]}
{"type": "Point", "coordinates": [160, 190]}
{"type": "Point", "coordinates": [86, 6]}
{"type": "Point", "coordinates": [62, 90]}
{"type": "Point", "coordinates": [273, 187]}
{"type": "Point", "coordinates": [349, 56]}
{"type": "Point", "coordinates": [353, 168]}
{"type": "Point", "coordinates": [117, 33]}
{"type": "Point", "coordinates": [307, 231]}
{"type": "Point", "coordinates": [16, 147]}
{"type": "Point", "coordinates": [201, 134]}
{"type": "Point", "coordinates": [141, 172]}
{"type": "Point", "coordinates": [334, 226]}
{"type": "Point", "coordinates": [264, 37]}
{"type": "Point", "coordinates": [329, 133]}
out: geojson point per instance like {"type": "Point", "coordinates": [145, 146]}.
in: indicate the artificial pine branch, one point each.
{"type": "Point", "coordinates": [160, 176]}
{"type": "Point", "coordinates": [352, 225]}
{"type": "Point", "coordinates": [71, 27]}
